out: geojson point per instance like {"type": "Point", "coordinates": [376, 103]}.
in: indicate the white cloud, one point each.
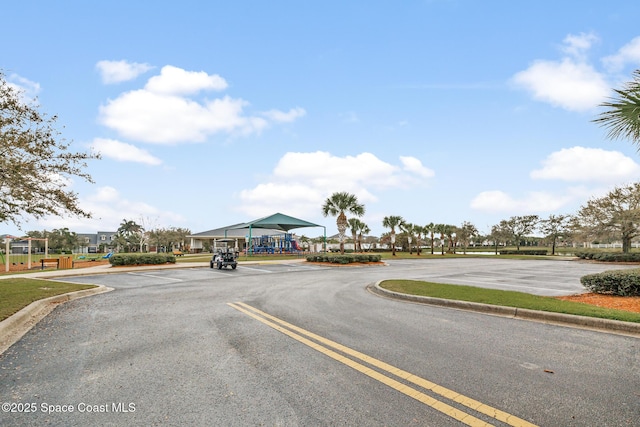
{"type": "Point", "coordinates": [109, 208]}
{"type": "Point", "coordinates": [124, 152]}
{"type": "Point", "coordinates": [567, 84]}
{"type": "Point", "coordinates": [26, 87]}
{"type": "Point", "coordinates": [285, 117]}
{"type": "Point", "coordinates": [120, 71]}
{"type": "Point", "coordinates": [162, 112]}
{"type": "Point", "coordinates": [534, 202]}
{"type": "Point", "coordinates": [580, 164]}
{"type": "Point", "coordinates": [302, 181]}
{"type": "Point", "coordinates": [577, 46]}
{"type": "Point", "coordinates": [570, 83]}
{"type": "Point", "coordinates": [411, 164]}
{"type": "Point", "coordinates": [176, 81]}
{"type": "Point", "coordinates": [627, 54]}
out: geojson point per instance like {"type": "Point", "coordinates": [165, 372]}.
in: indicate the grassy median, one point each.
{"type": "Point", "coordinates": [505, 298]}
{"type": "Point", "coordinates": [15, 294]}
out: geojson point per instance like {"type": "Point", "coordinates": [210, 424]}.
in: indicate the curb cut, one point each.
{"type": "Point", "coordinates": [15, 326]}
{"type": "Point", "coordinates": [584, 322]}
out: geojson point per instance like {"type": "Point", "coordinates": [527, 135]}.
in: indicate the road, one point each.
{"type": "Point", "coordinates": [303, 345]}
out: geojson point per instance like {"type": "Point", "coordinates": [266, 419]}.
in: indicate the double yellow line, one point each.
{"type": "Point", "coordinates": [324, 346]}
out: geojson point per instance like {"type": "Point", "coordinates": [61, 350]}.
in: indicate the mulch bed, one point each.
{"type": "Point", "coordinates": [616, 302]}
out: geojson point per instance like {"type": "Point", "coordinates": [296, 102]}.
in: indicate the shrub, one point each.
{"type": "Point", "coordinates": [616, 282]}
{"type": "Point", "coordinates": [610, 256]}
{"type": "Point", "coordinates": [524, 252]}
{"type": "Point", "coordinates": [131, 259]}
{"type": "Point", "coordinates": [344, 259]}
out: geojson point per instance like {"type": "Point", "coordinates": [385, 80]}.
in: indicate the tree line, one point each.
{"type": "Point", "coordinates": [613, 217]}
{"type": "Point", "coordinates": [130, 237]}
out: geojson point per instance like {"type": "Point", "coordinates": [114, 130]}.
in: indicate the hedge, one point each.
{"type": "Point", "coordinates": [524, 252]}
{"type": "Point", "coordinates": [610, 256]}
{"type": "Point", "coordinates": [344, 259]}
{"type": "Point", "coordinates": [139, 259]}
{"type": "Point", "coordinates": [615, 282]}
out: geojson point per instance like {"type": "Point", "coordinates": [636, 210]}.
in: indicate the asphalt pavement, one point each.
{"type": "Point", "coordinates": [293, 344]}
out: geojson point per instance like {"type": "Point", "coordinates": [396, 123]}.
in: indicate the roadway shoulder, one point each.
{"type": "Point", "coordinates": [15, 326]}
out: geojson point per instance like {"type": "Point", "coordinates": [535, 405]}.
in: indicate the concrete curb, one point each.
{"type": "Point", "coordinates": [603, 325]}
{"type": "Point", "coordinates": [15, 326]}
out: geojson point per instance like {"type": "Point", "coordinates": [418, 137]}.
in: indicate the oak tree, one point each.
{"type": "Point", "coordinates": [35, 162]}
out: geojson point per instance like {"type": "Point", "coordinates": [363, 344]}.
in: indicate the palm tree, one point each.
{"type": "Point", "coordinates": [419, 230]}
{"type": "Point", "coordinates": [392, 222]}
{"type": "Point", "coordinates": [131, 231]}
{"type": "Point", "coordinates": [409, 228]}
{"type": "Point", "coordinates": [622, 119]}
{"type": "Point", "coordinates": [363, 230]}
{"type": "Point", "coordinates": [451, 231]}
{"type": "Point", "coordinates": [441, 229]}
{"type": "Point", "coordinates": [354, 225]}
{"type": "Point", "coordinates": [305, 242]}
{"type": "Point", "coordinates": [337, 205]}
{"type": "Point", "coordinates": [431, 229]}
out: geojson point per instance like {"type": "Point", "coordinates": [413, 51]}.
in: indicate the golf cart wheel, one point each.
{"type": "Point", "coordinates": [233, 266]}
{"type": "Point", "coordinates": [219, 266]}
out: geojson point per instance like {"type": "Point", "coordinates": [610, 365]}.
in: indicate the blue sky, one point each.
{"type": "Point", "coordinates": [210, 113]}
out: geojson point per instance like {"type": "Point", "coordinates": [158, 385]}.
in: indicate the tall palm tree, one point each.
{"type": "Point", "coordinates": [419, 230]}
{"type": "Point", "coordinates": [363, 230]}
{"type": "Point", "coordinates": [442, 230]}
{"type": "Point", "coordinates": [431, 229]}
{"type": "Point", "coordinates": [622, 119]}
{"type": "Point", "coordinates": [354, 226]}
{"type": "Point", "coordinates": [410, 229]}
{"type": "Point", "coordinates": [392, 222]}
{"type": "Point", "coordinates": [336, 205]}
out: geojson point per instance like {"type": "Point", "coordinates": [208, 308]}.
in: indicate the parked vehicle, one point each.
{"type": "Point", "coordinates": [224, 258]}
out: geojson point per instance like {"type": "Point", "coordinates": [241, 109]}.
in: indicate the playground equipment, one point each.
{"type": "Point", "coordinates": [278, 243]}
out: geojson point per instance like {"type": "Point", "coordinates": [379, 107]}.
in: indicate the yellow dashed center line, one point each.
{"type": "Point", "coordinates": [288, 329]}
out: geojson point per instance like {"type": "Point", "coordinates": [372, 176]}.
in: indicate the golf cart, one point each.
{"type": "Point", "coordinates": [224, 257]}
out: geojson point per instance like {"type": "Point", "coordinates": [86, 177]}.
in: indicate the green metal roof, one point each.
{"type": "Point", "coordinates": [277, 221]}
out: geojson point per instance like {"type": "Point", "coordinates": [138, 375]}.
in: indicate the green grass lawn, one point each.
{"type": "Point", "coordinates": [16, 294]}
{"type": "Point", "coordinates": [505, 298]}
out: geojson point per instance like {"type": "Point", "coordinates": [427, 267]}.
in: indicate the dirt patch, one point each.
{"type": "Point", "coordinates": [616, 302]}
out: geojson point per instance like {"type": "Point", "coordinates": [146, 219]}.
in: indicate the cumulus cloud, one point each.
{"type": "Point", "coordinates": [598, 168]}
{"type": "Point", "coordinates": [109, 207]}
{"type": "Point", "coordinates": [567, 84]}
{"type": "Point", "coordinates": [411, 164]}
{"type": "Point", "coordinates": [176, 81]}
{"type": "Point", "coordinates": [627, 54]}
{"type": "Point", "coordinates": [166, 110]}
{"type": "Point", "coordinates": [120, 71]}
{"type": "Point", "coordinates": [580, 164]}
{"type": "Point", "coordinates": [302, 181]}
{"type": "Point", "coordinates": [124, 152]}
{"type": "Point", "coordinates": [577, 46]}
{"type": "Point", "coordinates": [570, 83]}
